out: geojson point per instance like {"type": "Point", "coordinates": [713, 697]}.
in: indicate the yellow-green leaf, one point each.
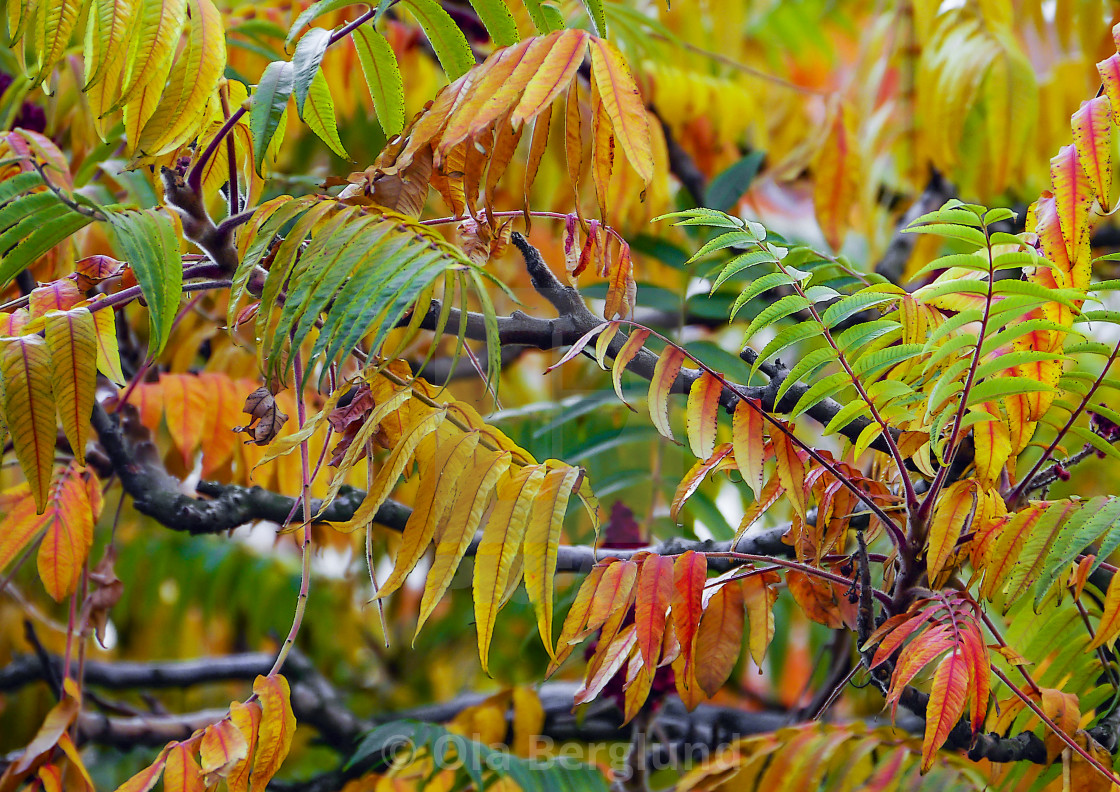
{"type": "Point", "coordinates": [72, 341]}
{"type": "Point", "coordinates": [542, 542]}
{"type": "Point", "coordinates": [25, 377]}
{"type": "Point", "coordinates": [318, 114]}
{"type": "Point", "coordinates": [383, 78]}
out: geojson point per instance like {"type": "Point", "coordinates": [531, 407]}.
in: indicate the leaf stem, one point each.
{"type": "Point", "coordinates": [305, 546]}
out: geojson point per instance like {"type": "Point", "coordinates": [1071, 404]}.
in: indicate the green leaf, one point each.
{"type": "Point", "coordinates": [598, 17]}
{"type": "Point", "coordinates": [972, 236]}
{"type": "Point", "coordinates": [319, 115]}
{"type": "Point", "coordinates": [383, 78]}
{"type": "Point", "coordinates": [305, 63]}
{"type": "Point", "coordinates": [447, 40]}
{"type": "Point", "coordinates": [1096, 517]}
{"type": "Point", "coordinates": [269, 101]}
{"type": "Point", "coordinates": [498, 21]}
{"type": "Point", "coordinates": [311, 13]}
{"type": "Point", "coordinates": [39, 233]}
{"type": "Point", "coordinates": [791, 303]}
{"type": "Point", "coordinates": [729, 186]}
{"type": "Point", "coordinates": [543, 21]}
{"type": "Point", "coordinates": [757, 287]}
{"type": "Point", "coordinates": [149, 243]}
{"type": "Point", "coordinates": [1002, 387]}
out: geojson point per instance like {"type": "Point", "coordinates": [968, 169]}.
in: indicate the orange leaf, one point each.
{"type": "Point", "coordinates": [615, 589]}
{"type": "Point", "coordinates": [633, 345]}
{"type": "Point", "coordinates": [278, 724]}
{"type": "Point", "coordinates": [702, 414]}
{"type": "Point", "coordinates": [576, 619]}
{"type": "Point", "coordinates": [696, 476]}
{"type": "Point", "coordinates": [690, 571]}
{"type": "Point", "coordinates": [621, 289]}
{"type": "Point", "coordinates": [651, 601]}
{"type": "Point", "coordinates": [58, 720]}
{"type": "Point", "coordinates": [1092, 134]}
{"type": "Point", "coordinates": [759, 596]}
{"type": "Point", "coordinates": [25, 375]}
{"type": "Point", "coordinates": [182, 773]}
{"type": "Point", "coordinates": [791, 472]}
{"type": "Point", "coordinates": [623, 104]}
{"type": "Point", "coordinates": [573, 142]}
{"type": "Point", "coordinates": [664, 376]}
{"type": "Point", "coordinates": [639, 681]}
{"type": "Point", "coordinates": [147, 778]}
{"type": "Point", "coordinates": [602, 152]}
{"type": "Point", "coordinates": [69, 534]}
{"type": "Point", "coordinates": [21, 524]}
{"type": "Point", "coordinates": [1109, 626]}
{"type": "Point", "coordinates": [817, 598]}
{"type": "Point", "coordinates": [223, 412]}
{"type": "Point", "coordinates": [609, 658]}
{"type": "Point", "coordinates": [247, 719]}
{"type": "Point", "coordinates": [835, 173]}
{"type": "Point", "coordinates": [184, 402]}
{"type": "Point", "coordinates": [955, 507]}
{"type": "Point", "coordinates": [222, 748]}
{"type": "Point", "coordinates": [719, 638]}
{"type": "Point", "coordinates": [1073, 197]}
{"type": "Point", "coordinates": [747, 439]}
{"type": "Point", "coordinates": [556, 72]}
{"type": "Point", "coordinates": [946, 704]}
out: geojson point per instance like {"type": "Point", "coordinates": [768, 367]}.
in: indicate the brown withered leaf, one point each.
{"type": "Point", "coordinates": [105, 592]}
{"type": "Point", "coordinates": [359, 407]}
{"type": "Point", "coordinates": [400, 187]}
{"type": "Point", "coordinates": [268, 419]}
{"type": "Point", "coordinates": [93, 269]}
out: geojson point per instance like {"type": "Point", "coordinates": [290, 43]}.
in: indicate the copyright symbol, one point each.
{"type": "Point", "coordinates": [398, 750]}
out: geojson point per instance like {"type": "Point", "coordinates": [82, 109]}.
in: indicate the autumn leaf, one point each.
{"type": "Point", "coordinates": [719, 638]}
{"type": "Point", "coordinates": [664, 375]}
{"type": "Point", "coordinates": [29, 408]}
{"type": "Point", "coordinates": [702, 414]}
{"type": "Point", "coordinates": [651, 602]}
{"type": "Point", "coordinates": [277, 726]}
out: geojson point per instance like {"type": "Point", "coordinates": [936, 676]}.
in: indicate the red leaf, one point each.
{"type": "Point", "coordinates": [651, 601]}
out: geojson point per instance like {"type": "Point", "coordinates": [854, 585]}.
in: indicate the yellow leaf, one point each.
{"type": "Point", "coordinates": [21, 524]}
{"type": "Point", "coordinates": [664, 376]}
{"type": "Point", "coordinates": [156, 35]}
{"type": "Point", "coordinates": [25, 376]}
{"type": "Point", "coordinates": [72, 341]}
{"type": "Point", "coordinates": [500, 543]}
{"type": "Point", "coordinates": [759, 596]}
{"type": "Point", "coordinates": [108, 355]}
{"type": "Point", "coordinates": [749, 444]}
{"type": "Point", "coordinates": [1092, 134]}
{"type": "Point", "coordinates": [54, 22]}
{"type": "Point", "coordinates": [247, 719]}
{"type": "Point", "coordinates": [110, 25]}
{"type": "Point", "coordinates": [702, 415]}
{"type": "Point", "coordinates": [955, 506]}
{"type": "Point", "coordinates": [623, 105]}
{"type": "Point", "coordinates": [542, 542]}
{"type": "Point", "coordinates": [463, 518]}
{"type": "Point", "coordinates": [437, 491]}
{"type": "Point", "coordinates": [277, 726]}
{"type": "Point", "coordinates": [791, 472]}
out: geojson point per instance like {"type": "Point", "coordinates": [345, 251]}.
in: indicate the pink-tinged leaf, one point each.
{"type": "Point", "coordinates": [651, 602]}
{"type": "Point", "coordinates": [59, 295]}
{"type": "Point", "coordinates": [980, 670]}
{"type": "Point", "coordinates": [954, 508]}
{"type": "Point", "coordinates": [1109, 70]}
{"type": "Point", "coordinates": [1073, 197]}
{"type": "Point", "coordinates": [719, 638]}
{"type": "Point", "coordinates": [664, 376]}
{"type": "Point", "coordinates": [1092, 134]}
{"type": "Point", "coordinates": [611, 657]}
{"type": "Point", "coordinates": [577, 347]}
{"type": "Point", "coordinates": [791, 472]}
{"type": "Point", "coordinates": [623, 105]}
{"type": "Point", "coordinates": [946, 704]}
{"type": "Point", "coordinates": [222, 747]}
{"type": "Point", "coordinates": [690, 571]}
{"type": "Point", "coordinates": [615, 588]}
{"type": "Point", "coordinates": [634, 342]}
{"type": "Point", "coordinates": [182, 773]}
{"type": "Point", "coordinates": [748, 442]}
{"type": "Point", "coordinates": [702, 414]}
{"type": "Point", "coordinates": [695, 477]}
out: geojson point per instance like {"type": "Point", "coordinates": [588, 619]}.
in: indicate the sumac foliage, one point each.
{"type": "Point", "coordinates": [753, 365]}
